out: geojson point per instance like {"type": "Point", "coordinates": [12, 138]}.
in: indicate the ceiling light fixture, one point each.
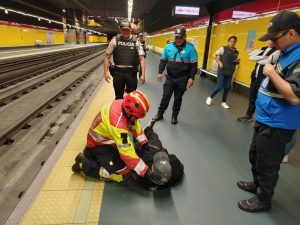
{"type": "Point", "coordinates": [130, 6]}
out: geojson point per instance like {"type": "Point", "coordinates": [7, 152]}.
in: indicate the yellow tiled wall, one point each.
{"type": "Point", "coordinates": [220, 34]}
{"type": "Point", "coordinates": [97, 39]}
{"type": "Point", "coordinates": [23, 36]}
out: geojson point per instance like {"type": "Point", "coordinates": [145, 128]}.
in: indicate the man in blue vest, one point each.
{"type": "Point", "coordinates": [128, 54]}
{"type": "Point", "coordinates": [181, 60]}
{"type": "Point", "coordinates": [278, 112]}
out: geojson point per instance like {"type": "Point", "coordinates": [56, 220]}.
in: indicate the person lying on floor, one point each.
{"type": "Point", "coordinates": [167, 167]}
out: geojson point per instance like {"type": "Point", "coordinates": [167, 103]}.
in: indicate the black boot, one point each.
{"type": "Point", "coordinates": [174, 118]}
{"type": "Point", "coordinates": [254, 204]}
{"type": "Point", "coordinates": [159, 116]}
{"type": "Point", "coordinates": [79, 160]}
{"type": "Point", "coordinates": [247, 186]}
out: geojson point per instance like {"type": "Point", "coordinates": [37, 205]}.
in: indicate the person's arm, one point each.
{"type": "Point", "coordinates": [194, 67]}
{"type": "Point", "coordinates": [256, 55]}
{"type": "Point", "coordinates": [162, 64]}
{"type": "Point", "coordinates": [105, 65]}
{"type": "Point", "coordinates": [219, 52]}
{"type": "Point", "coordinates": [290, 90]}
{"type": "Point", "coordinates": [109, 51]}
{"type": "Point", "coordinates": [127, 151]}
{"type": "Point", "coordinates": [143, 68]}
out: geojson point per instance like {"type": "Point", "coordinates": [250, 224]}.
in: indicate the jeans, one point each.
{"type": "Point", "coordinates": [222, 82]}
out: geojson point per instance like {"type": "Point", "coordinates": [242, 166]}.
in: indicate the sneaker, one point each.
{"type": "Point", "coordinates": [224, 105]}
{"type": "Point", "coordinates": [285, 159]}
{"type": "Point", "coordinates": [208, 101]}
{"type": "Point", "coordinates": [245, 119]}
{"type": "Point", "coordinates": [247, 186]}
{"type": "Point", "coordinates": [254, 205]}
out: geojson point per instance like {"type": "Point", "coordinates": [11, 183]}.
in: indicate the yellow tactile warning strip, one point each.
{"type": "Point", "coordinates": [67, 198]}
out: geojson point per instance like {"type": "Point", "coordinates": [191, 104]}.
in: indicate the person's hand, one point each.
{"type": "Point", "coordinates": [107, 77]}
{"type": "Point", "coordinates": [159, 77]}
{"type": "Point", "coordinates": [221, 65]}
{"type": "Point", "coordinates": [142, 79]}
{"type": "Point", "coordinates": [190, 82]}
{"type": "Point", "coordinates": [269, 69]}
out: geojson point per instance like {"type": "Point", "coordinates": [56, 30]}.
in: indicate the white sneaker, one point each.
{"type": "Point", "coordinates": [285, 159]}
{"type": "Point", "coordinates": [224, 105]}
{"type": "Point", "coordinates": [208, 101]}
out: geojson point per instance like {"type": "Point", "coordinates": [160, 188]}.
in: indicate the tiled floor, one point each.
{"type": "Point", "coordinates": [213, 146]}
{"type": "Point", "coordinates": [67, 198]}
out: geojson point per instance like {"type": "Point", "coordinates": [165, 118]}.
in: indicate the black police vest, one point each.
{"type": "Point", "coordinates": [126, 52]}
{"type": "Point", "coordinates": [260, 74]}
{"type": "Point", "coordinates": [227, 60]}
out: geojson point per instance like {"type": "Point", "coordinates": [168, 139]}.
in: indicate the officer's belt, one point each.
{"type": "Point", "coordinates": [124, 69]}
{"type": "Point", "coordinates": [271, 94]}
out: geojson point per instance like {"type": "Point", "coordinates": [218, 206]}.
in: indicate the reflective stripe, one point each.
{"type": "Point", "coordinates": [119, 119]}
{"type": "Point", "coordinates": [274, 95]}
{"type": "Point", "coordinates": [140, 167]}
{"type": "Point", "coordinates": [99, 139]}
{"type": "Point", "coordinates": [141, 138]}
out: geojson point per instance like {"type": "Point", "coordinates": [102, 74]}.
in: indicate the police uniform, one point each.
{"type": "Point", "coordinates": [181, 62]}
{"type": "Point", "coordinates": [276, 120]}
{"type": "Point", "coordinates": [126, 58]}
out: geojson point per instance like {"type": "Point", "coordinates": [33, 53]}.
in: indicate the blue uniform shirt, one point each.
{"type": "Point", "coordinates": [272, 108]}
{"type": "Point", "coordinates": [181, 61]}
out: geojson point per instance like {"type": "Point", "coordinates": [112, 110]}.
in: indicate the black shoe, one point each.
{"type": "Point", "coordinates": [245, 119]}
{"type": "Point", "coordinates": [158, 117]}
{"type": "Point", "coordinates": [247, 186]}
{"type": "Point", "coordinates": [80, 158]}
{"type": "Point", "coordinates": [174, 120]}
{"type": "Point", "coordinates": [254, 205]}
{"type": "Point", "coordinates": [76, 168]}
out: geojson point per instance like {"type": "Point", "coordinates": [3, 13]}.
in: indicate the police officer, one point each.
{"type": "Point", "coordinates": [127, 54]}
{"type": "Point", "coordinates": [181, 59]}
{"type": "Point", "coordinates": [267, 54]}
{"type": "Point", "coordinates": [278, 110]}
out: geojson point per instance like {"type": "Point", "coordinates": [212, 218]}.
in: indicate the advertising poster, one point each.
{"type": "Point", "coordinates": [250, 40]}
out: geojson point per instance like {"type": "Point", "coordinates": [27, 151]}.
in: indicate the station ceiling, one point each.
{"type": "Point", "coordinates": [156, 14]}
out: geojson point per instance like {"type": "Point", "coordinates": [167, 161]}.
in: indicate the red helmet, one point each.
{"type": "Point", "coordinates": [136, 104]}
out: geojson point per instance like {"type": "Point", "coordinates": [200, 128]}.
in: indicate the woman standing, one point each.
{"type": "Point", "coordinates": [227, 59]}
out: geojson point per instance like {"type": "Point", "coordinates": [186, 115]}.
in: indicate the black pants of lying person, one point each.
{"type": "Point", "coordinates": [104, 163]}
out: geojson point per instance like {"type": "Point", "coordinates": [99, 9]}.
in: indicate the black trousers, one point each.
{"type": "Point", "coordinates": [122, 79]}
{"type": "Point", "coordinates": [254, 87]}
{"type": "Point", "coordinates": [176, 86]}
{"type": "Point", "coordinates": [266, 153]}
{"type": "Point", "coordinates": [102, 156]}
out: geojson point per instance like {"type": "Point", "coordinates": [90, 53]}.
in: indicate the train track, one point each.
{"type": "Point", "coordinates": [30, 111]}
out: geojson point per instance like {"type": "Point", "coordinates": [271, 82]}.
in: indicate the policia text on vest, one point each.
{"type": "Point", "coordinates": [127, 56]}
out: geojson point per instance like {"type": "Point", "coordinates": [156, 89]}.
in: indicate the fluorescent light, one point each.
{"type": "Point", "coordinates": [63, 10]}
{"type": "Point", "coordinates": [130, 6]}
{"type": "Point", "coordinates": [6, 11]}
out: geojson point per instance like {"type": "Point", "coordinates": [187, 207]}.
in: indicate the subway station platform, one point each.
{"type": "Point", "coordinates": [210, 142]}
